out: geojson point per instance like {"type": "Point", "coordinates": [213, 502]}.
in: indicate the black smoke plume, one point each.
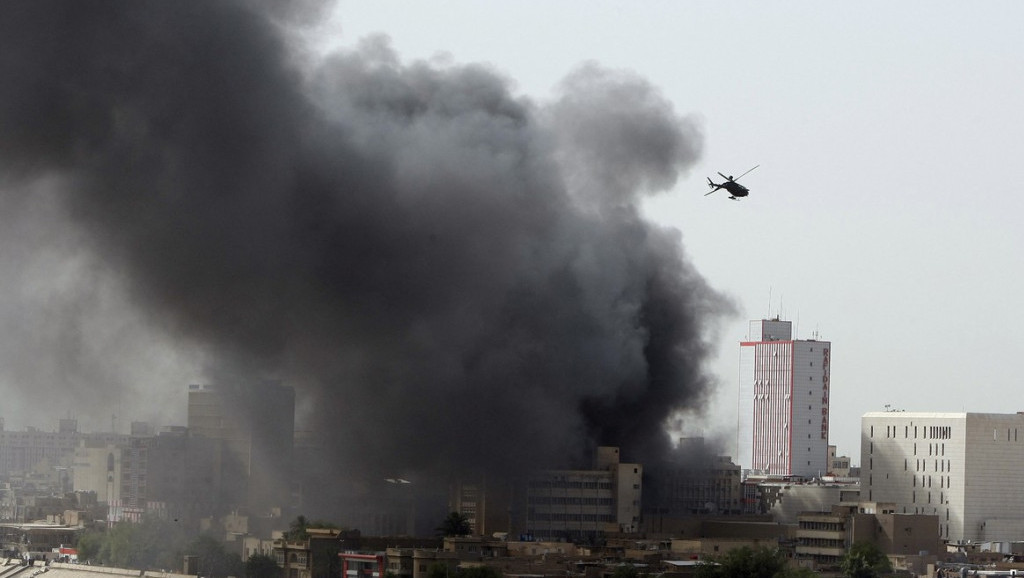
{"type": "Point", "coordinates": [453, 277]}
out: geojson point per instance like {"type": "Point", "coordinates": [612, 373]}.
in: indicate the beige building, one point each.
{"type": "Point", "coordinates": [96, 467]}
{"type": "Point", "coordinates": [705, 484]}
{"type": "Point", "coordinates": [583, 504]}
{"type": "Point", "coordinates": [416, 562]}
{"type": "Point", "coordinates": [824, 537]}
{"type": "Point", "coordinates": [965, 468]}
{"type": "Point", "coordinates": [838, 466]}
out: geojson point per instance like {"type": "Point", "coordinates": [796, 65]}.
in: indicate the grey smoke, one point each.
{"type": "Point", "coordinates": [452, 276]}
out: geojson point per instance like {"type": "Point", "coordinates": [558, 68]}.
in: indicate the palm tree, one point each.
{"type": "Point", "coordinates": [455, 524]}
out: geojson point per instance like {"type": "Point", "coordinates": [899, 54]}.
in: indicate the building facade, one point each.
{"type": "Point", "coordinates": [825, 537]}
{"type": "Point", "coordinates": [582, 505]}
{"type": "Point", "coordinates": [965, 468]}
{"type": "Point", "coordinates": [242, 443]}
{"type": "Point", "coordinates": [694, 483]}
{"type": "Point", "coordinates": [783, 402]}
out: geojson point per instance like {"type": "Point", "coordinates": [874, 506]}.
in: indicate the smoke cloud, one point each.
{"type": "Point", "coordinates": [453, 276]}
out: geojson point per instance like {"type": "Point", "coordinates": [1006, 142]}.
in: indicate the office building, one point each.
{"type": "Point", "coordinates": [241, 445]}
{"type": "Point", "coordinates": [965, 468]}
{"type": "Point", "coordinates": [583, 505]}
{"type": "Point", "coordinates": [783, 402]}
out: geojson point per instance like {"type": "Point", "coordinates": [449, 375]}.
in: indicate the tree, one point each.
{"type": "Point", "coordinates": [479, 572]}
{"type": "Point", "coordinates": [213, 560]}
{"type": "Point", "coordinates": [865, 560]}
{"type": "Point", "coordinates": [455, 524]}
{"type": "Point", "coordinates": [626, 571]}
{"type": "Point", "coordinates": [89, 545]}
{"type": "Point", "coordinates": [152, 543]}
{"type": "Point", "coordinates": [437, 570]}
{"type": "Point", "coordinates": [297, 529]}
{"type": "Point", "coordinates": [747, 562]}
{"type": "Point", "coordinates": [262, 566]}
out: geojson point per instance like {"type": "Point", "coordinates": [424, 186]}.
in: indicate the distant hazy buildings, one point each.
{"type": "Point", "coordinates": [783, 402]}
{"type": "Point", "coordinates": [36, 452]}
{"type": "Point", "coordinates": [965, 468]}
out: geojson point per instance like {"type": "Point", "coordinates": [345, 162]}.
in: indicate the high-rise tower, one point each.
{"type": "Point", "coordinates": [241, 443]}
{"type": "Point", "coordinates": [783, 402]}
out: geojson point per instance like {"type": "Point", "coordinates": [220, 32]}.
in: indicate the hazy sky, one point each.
{"type": "Point", "coordinates": [885, 215]}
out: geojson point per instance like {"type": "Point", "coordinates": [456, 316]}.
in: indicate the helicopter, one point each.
{"type": "Point", "coordinates": [734, 189]}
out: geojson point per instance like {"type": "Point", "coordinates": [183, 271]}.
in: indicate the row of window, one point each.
{"type": "Point", "coordinates": [826, 526]}
{"type": "Point", "coordinates": [562, 501]}
{"type": "Point", "coordinates": [921, 465]}
{"type": "Point", "coordinates": [933, 450]}
{"type": "Point", "coordinates": [545, 484]}
{"type": "Point", "coordinates": [822, 543]}
{"type": "Point", "coordinates": [571, 518]}
{"type": "Point", "coordinates": [942, 498]}
{"type": "Point", "coordinates": [927, 432]}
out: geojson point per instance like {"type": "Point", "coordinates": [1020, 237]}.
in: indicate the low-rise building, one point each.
{"type": "Point", "coordinates": [403, 563]}
{"type": "Point", "coordinates": [824, 537]}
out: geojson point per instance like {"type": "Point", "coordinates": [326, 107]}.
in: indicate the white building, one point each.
{"type": "Point", "coordinates": [783, 402]}
{"type": "Point", "coordinates": [966, 468]}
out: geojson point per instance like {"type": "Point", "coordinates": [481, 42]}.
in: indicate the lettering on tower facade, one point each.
{"type": "Point", "coordinates": [824, 392]}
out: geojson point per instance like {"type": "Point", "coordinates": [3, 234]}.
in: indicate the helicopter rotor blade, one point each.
{"type": "Point", "coordinates": [746, 173]}
{"type": "Point", "coordinates": [713, 190]}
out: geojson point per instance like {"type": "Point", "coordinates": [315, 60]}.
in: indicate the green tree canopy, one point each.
{"type": "Point", "coordinates": [298, 529]}
{"type": "Point", "coordinates": [865, 560]}
{"type": "Point", "coordinates": [626, 571]}
{"type": "Point", "coordinates": [152, 543]}
{"type": "Point", "coordinates": [455, 524]}
{"type": "Point", "coordinates": [437, 570]}
{"type": "Point", "coordinates": [747, 562]}
{"type": "Point", "coordinates": [262, 566]}
{"type": "Point", "coordinates": [213, 560]}
{"type": "Point", "coordinates": [479, 572]}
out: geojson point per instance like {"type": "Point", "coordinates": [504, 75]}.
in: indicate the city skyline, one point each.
{"type": "Point", "coordinates": [880, 219]}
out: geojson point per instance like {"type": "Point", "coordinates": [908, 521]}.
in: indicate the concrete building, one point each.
{"type": "Point", "coordinates": [582, 505]}
{"type": "Point", "coordinates": [693, 482]}
{"type": "Point", "coordinates": [249, 433]}
{"type": "Point", "coordinates": [485, 503]}
{"type": "Point", "coordinates": [965, 468]}
{"type": "Point", "coordinates": [403, 563]}
{"type": "Point", "coordinates": [783, 402]}
{"type": "Point", "coordinates": [824, 537]}
{"type": "Point", "coordinates": [785, 501]}
{"type": "Point", "coordinates": [838, 466]}
{"type": "Point", "coordinates": [97, 468]}
{"type": "Point", "coordinates": [33, 451]}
